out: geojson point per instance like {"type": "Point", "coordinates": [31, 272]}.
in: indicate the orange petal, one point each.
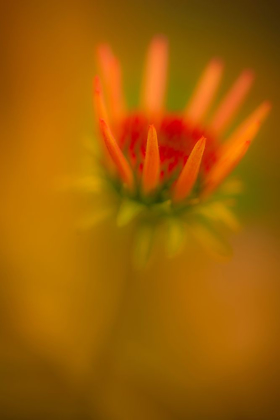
{"type": "Point", "coordinates": [189, 173]}
{"type": "Point", "coordinates": [117, 156]}
{"type": "Point", "coordinates": [155, 76]}
{"type": "Point", "coordinates": [230, 159]}
{"type": "Point", "coordinates": [111, 71]}
{"type": "Point", "coordinates": [151, 163]}
{"type": "Point", "coordinates": [232, 102]}
{"type": "Point", "coordinates": [205, 91]}
{"type": "Point", "coordinates": [258, 116]}
{"type": "Point", "coordinates": [98, 100]}
{"type": "Point", "coordinates": [104, 56]}
{"type": "Point", "coordinates": [117, 99]}
{"type": "Point", "coordinates": [101, 113]}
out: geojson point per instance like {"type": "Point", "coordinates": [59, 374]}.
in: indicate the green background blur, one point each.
{"type": "Point", "coordinates": [82, 336]}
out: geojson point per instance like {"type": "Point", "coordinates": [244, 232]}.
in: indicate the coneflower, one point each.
{"type": "Point", "coordinates": [168, 170]}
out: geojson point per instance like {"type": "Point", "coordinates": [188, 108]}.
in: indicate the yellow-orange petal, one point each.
{"type": "Point", "coordinates": [230, 159]}
{"type": "Point", "coordinates": [189, 173]}
{"type": "Point", "coordinates": [257, 117]}
{"type": "Point", "coordinates": [98, 99]}
{"type": "Point", "coordinates": [117, 156]}
{"type": "Point", "coordinates": [151, 163]}
{"type": "Point", "coordinates": [231, 102]}
{"type": "Point", "coordinates": [154, 86]}
{"type": "Point", "coordinates": [204, 92]}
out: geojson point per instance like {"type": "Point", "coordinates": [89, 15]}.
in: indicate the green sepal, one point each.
{"type": "Point", "coordinates": [143, 244]}
{"type": "Point", "coordinates": [175, 236]}
{"type": "Point", "coordinates": [128, 210]}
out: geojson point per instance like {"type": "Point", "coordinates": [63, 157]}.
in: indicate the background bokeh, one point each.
{"type": "Point", "coordinates": [83, 336]}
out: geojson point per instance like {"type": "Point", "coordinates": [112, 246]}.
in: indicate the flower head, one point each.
{"type": "Point", "coordinates": [169, 168]}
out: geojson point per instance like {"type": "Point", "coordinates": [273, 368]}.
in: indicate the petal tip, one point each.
{"type": "Point", "coordinates": [160, 38]}
{"type": "Point", "coordinates": [268, 105]}
{"type": "Point", "coordinates": [249, 73]}
{"type": "Point", "coordinates": [217, 61]}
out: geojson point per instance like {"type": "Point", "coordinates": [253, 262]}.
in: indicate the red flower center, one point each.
{"type": "Point", "coordinates": [176, 140]}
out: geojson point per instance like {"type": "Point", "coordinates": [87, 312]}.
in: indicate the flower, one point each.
{"type": "Point", "coordinates": [168, 169]}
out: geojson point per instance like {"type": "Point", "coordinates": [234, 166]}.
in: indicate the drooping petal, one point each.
{"type": "Point", "coordinates": [230, 159]}
{"type": "Point", "coordinates": [204, 92]}
{"type": "Point", "coordinates": [151, 163]}
{"type": "Point", "coordinates": [189, 173]}
{"type": "Point", "coordinates": [155, 77]}
{"type": "Point", "coordinates": [231, 103]}
{"type": "Point", "coordinates": [117, 156]}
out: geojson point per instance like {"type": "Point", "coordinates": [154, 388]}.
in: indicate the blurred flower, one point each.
{"type": "Point", "coordinates": [163, 170]}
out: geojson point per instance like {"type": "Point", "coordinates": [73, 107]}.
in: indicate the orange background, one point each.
{"type": "Point", "coordinates": [81, 334]}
